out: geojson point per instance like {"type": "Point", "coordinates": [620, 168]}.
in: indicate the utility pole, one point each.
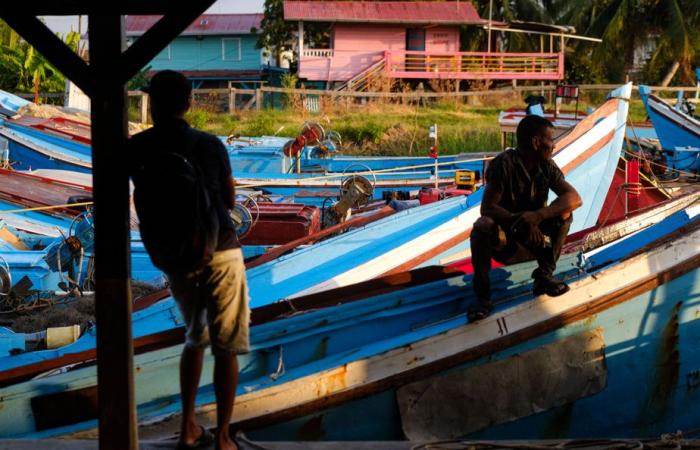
{"type": "Point", "coordinates": [490, 16]}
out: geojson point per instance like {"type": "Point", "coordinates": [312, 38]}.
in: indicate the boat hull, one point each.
{"type": "Point", "coordinates": [678, 133]}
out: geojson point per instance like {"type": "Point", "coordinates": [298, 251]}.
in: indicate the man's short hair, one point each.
{"type": "Point", "coordinates": [530, 127]}
{"type": "Point", "coordinates": [170, 90]}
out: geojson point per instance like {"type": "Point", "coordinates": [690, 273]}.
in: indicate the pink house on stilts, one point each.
{"type": "Point", "coordinates": [406, 40]}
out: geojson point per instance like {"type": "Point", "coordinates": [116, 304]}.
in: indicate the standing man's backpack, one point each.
{"type": "Point", "coordinates": [178, 221]}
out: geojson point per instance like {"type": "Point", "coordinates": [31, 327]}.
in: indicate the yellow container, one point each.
{"type": "Point", "coordinates": [60, 336]}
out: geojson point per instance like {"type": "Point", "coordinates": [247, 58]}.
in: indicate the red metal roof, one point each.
{"type": "Point", "coordinates": [452, 12]}
{"type": "Point", "coordinates": [200, 74]}
{"type": "Point", "coordinates": [205, 24]}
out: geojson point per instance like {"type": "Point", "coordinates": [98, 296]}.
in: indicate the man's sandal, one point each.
{"type": "Point", "coordinates": [205, 439]}
{"type": "Point", "coordinates": [480, 311]}
{"type": "Point", "coordinates": [552, 288]}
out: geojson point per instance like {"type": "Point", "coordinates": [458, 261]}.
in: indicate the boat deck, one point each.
{"type": "Point", "coordinates": [666, 442]}
{"type": "Point", "coordinates": [60, 444]}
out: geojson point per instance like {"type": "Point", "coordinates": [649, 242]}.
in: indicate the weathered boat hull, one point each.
{"type": "Point", "coordinates": [649, 384]}
{"type": "Point", "coordinates": [31, 149]}
{"type": "Point", "coordinates": [678, 132]}
{"type": "Point", "coordinates": [372, 345]}
{"type": "Point", "coordinates": [474, 380]}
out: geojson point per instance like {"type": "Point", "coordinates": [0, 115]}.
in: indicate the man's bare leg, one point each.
{"type": "Point", "coordinates": [190, 371]}
{"type": "Point", "coordinates": [225, 382]}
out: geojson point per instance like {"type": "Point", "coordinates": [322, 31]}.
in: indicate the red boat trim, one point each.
{"type": "Point", "coordinates": [602, 142]}
{"type": "Point", "coordinates": [587, 124]}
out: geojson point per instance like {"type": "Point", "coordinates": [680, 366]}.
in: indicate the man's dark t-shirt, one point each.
{"type": "Point", "coordinates": [519, 190]}
{"type": "Point", "coordinates": [209, 154]}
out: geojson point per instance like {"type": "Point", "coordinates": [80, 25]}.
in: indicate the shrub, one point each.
{"type": "Point", "coordinates": [198, 118]}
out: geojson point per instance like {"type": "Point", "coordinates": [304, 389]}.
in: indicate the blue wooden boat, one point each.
{"type": "Point", "coordinates": [586, 128]}
{"type": "Point", "coordinates": [315, 151]}
{"type": "Point", "coordinates": [326, 364]}
{"type": "Point", "coordinates": [614, 358]}
{"type": "Point", "coordinates": [426, 235]}
{"type": "Point", "coordinates": [26, 364]}
{"type": "Point", "coordinates": [35, 222]}
{"type": "Point", "coordinates": [678, 132]}
{"type": "Point", "coordinates": [10, 103]}
{"type": "Point", "coordinates": [32, 149]}
{"type": "Point", "coordinates": [154, 320]}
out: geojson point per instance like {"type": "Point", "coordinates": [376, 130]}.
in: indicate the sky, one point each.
{"type": "Point", "coordinates": [67, 23]}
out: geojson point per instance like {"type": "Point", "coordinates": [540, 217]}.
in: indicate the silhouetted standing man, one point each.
{"type": "Point", "coordinates": [214, 299]}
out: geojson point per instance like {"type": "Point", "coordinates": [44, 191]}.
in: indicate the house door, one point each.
{"type": "Point", "coordinates": [415, 42]}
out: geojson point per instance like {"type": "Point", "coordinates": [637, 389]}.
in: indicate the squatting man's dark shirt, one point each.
{"type": "Point", "coordinates": [519, 191]}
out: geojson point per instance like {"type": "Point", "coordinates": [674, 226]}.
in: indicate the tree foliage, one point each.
{"type": "Point", "coordinates": [275, 33]}
{"type": "Point", "coordinates": [668, 29]}
{"type": "Point", "coordinates": [22, 68]}
{"type": "Point", "coordinates": [278, 35]}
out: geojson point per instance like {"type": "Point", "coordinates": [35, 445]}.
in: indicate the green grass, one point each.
{"type": "Point", "coordinates": [386, 129]}
{"type": "Point", "coordinates": [372, 130]}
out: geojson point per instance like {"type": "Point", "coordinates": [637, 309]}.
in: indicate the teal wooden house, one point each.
{"type": "Point", "coordinates": [215, 51]}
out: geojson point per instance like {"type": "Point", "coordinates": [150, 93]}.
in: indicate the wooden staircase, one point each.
{"type": "Point", "coordinates": [364, 79]}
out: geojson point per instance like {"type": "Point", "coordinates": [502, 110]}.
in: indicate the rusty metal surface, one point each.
{"type": "Point", "coordinates": [60, 126]}
{"type": "Point", "coordinates": [280, 223]}
{"type": "Point", "coordinates": [205, 24]}
{"type": "Point", "coordinates": [464, 401]}
{"type": "Point", "coordinates": [462, 13]}
{"type": "Point", "coordinates": [30, 191]}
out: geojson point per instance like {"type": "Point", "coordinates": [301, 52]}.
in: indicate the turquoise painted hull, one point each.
{"type": "Point", "coordinates": [397, 240]}
{"type": "Point", "coordinates": [646, 394]}
{"type": "Point", "coordinates": [333, 337]}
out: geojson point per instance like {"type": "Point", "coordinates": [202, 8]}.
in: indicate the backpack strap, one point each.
{"type": "Point", "coordinates": [188, 148]}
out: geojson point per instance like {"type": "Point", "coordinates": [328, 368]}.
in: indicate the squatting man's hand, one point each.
{"type": "Point", "coordinates": [531, 220]}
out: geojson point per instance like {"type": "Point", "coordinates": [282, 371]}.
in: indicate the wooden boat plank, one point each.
{"type": "Point", "coordinates": [420, 359]}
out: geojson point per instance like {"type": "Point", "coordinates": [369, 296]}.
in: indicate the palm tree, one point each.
{"type": "Point", "coordinates": [24, 69]}
{"type": "Point", "coordinates": [627, 25]}
{"type": "Point", "coordinates": [508, 10]}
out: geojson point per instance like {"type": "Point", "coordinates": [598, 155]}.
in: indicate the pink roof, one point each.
{"type": "Point", "coordinates": [461, 12]}
{"type": "Point", "coordinates": [205, 24]}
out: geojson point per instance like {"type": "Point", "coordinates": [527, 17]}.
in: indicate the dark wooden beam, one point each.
{"type": "Point", "coordinates": [115, 374]}
{"type": "Point", "coordinates": [51, 47]}
{"type": "Point", "coordinates": [158, 36]}
{"type": "Point", "coordinates": [124, 7]}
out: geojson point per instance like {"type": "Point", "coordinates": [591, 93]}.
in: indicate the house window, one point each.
{"type": "Point", "coordinates": [164, 55]}
{"type": "Point", "coordinates": [231, 49]}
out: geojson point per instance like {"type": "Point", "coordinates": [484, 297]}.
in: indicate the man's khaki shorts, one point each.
{"type": "Point", "coordinates": [214, 303]}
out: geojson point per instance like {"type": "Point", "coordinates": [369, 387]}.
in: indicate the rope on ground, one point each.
{"type": "Point", "coordinates": [579, 444]}
{"type": "Point", "coordinates": [44, 208]}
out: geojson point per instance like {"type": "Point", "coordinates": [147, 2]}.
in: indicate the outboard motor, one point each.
{"type": "Point", "coordinates": [245, 215]}
{"type": "Point", "coordinates": [67, 254]}
{"type": "Point", "coordinates": [329, 145]}
{"type": "Point", "coordinates": [355, 192]}
{"type": "Point", "coordinates": [311, 134]}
